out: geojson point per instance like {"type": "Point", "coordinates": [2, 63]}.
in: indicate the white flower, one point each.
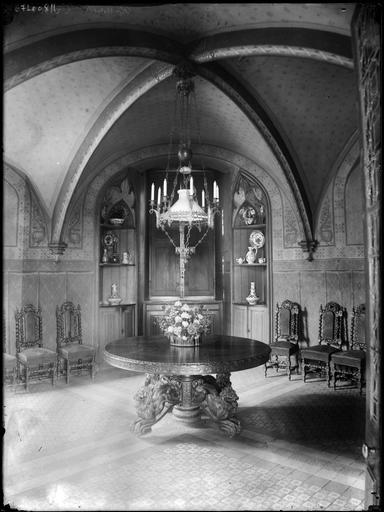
{"type": "Point", "coordinates": [177, 303]}
{"type": "Point", "coordinates": [170, 329]}
{"type": "Point", "coordinates": [185, 307]}
{"type": "Point", "coordinates": [178, 319]}
{"type": "Point", "coordinates": [177, 331]}
{"type": "Point", "coordinates": [200, 316]}
{"type": "Point", "coordinates": [185, 315]}
{"type": "Point", "coordinates": [184, 323]}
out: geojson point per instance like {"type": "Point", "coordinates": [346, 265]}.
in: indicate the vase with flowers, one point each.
{"type": "Point", "coordinates": [184, 324]}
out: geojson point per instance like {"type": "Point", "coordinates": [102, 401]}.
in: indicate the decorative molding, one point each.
{"type": "Point", "coordinates": [276, 50]}
{"type": "Point", "coordinates": [38, 228]}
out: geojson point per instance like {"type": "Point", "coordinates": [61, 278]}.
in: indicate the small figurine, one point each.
{"type": "Point", "coordinates": [114, 299]}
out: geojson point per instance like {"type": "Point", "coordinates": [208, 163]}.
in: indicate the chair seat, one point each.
{"type": "Point", "coordinates": [9, 361]}
{"type": "Point", "coordinates": [349, 357]}
{"type": "Point", "coordinates": [74, 351]}
{"type": "Point", "coordinates": [32, 356]}
{"type": "Point", "coordinates": [284, 347]}
{"type": "Point", "coordinates": [319, 352]}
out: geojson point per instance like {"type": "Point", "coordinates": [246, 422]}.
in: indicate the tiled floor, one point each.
{"type": "Point", "coordinates": [70, 448]}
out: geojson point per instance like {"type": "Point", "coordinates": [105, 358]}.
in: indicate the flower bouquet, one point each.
{"type": "Point", "coordinates": [184, 324]}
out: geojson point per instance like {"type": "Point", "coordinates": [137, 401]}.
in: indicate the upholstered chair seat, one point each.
{"type": "Point", "coordinates": [9, 361]}
{"type": "Point", "coordinates": [37, 355]}
{"type": "Point", "coordinates": [9, 368]}
{"type": "Point", "coordinates": [75, 351]}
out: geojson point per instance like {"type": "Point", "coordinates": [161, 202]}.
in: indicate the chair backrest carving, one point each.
{"type": "Point", "coordinates": [358, 341]}
{"type": "Point", "coordinates": [287, 324]}
{"type": "Point", "coordinates": [29, 328]}
{"type": "Point", "coordinates": [68, 324]}
{"type": "Point", "coordinates": [333, 325]}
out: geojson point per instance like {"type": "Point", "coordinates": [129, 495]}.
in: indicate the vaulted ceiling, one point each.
{"type": "Point", "coordinates": [86, 84]}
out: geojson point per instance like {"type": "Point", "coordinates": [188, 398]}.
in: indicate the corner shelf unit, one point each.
{"type": "Point", "coordinates": [250, 235]}
{"type": "Point", "coordinates": [117, 264]}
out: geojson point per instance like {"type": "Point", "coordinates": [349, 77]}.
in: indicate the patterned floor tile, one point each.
{"type": "Point", "coordinates": [71, 446]}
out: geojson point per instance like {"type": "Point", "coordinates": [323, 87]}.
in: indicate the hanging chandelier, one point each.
{"type": "Point", "coordinates": [183, 210]}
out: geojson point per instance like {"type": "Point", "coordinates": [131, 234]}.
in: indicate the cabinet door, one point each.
{"type": "Point", "coordinates": [215, 312]}
{"type": "Point", "coordinates": [151, 313]}
{"type": "Point", "coordinates": [258, 324]}
{"type": "Point", "coordinates": [109, 327]}
{"type": "Point", "coordinates": [128, 319]}
{"type": "Point", "coordinates": [240, 321]}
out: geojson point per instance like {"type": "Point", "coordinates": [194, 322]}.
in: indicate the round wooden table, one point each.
{"type": "Point", "coordinates": [180, 379]}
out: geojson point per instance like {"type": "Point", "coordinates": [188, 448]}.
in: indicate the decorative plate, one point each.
{"type": "Point", "coordinates": [257, 239]}
{"type": "Point", "coordinates": [116, 221]}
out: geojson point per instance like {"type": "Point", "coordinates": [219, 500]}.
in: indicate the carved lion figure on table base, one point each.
{"type": "Point", "coordinates": [218, 400]}
{"type": "Point", "coordinates": [158, 395]}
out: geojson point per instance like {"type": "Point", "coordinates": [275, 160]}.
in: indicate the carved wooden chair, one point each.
{"type": "Point", "coordinates": [285, 348]}
{"type": "Point", "coordinates": [76, 356]}
{"type": "Point", "coordinates": [33, 360]}
{"type": "Point", "coordinates": [350, 364]}
{"type": "Point", "coordinates": [332, 338]}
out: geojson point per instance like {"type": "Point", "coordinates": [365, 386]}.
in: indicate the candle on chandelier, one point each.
{"type": "Point", "coordinates": [165, 187]}
{"type": "Point", "coordinates": [191, 186]}
{"type": "Point", "coordinates": [203, 198]}
{"type": "Point", "coordinates": [159, 195]}
{"type": "Point", "coordinates": [215, 191]}
{"type": "Point", "coordinates": [152, 192]}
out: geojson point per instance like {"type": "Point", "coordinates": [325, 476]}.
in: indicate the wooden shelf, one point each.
{"type": "Point", "coordinates": [253, 226]}
{"type": "Point", "coordinates": [121, 305]}
{"type": "Point", "coordinates": [259, 304]}
{"type": "Point", "coordinates": [117, 264]}
{"type": "Point", "coordinates": [250, 264]}
{"type": "Point", "coordinates": [116, 226]}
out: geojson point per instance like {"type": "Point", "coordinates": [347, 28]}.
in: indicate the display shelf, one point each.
{"type": "Point", "coordinates": [117, 264]}
{"type": "Point", "coordinates": [245, 265]}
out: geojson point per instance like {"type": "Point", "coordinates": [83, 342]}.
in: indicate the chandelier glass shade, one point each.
{"type": "Point", "coordinates": [181, 206]}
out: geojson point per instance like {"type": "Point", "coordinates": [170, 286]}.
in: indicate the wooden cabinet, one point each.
{"type": "Point", "coordinates": [115, 322]}
{"type": "Point", "coordinates": [153, 310]}
{"type": "Point", "coordinates": [250, 322]}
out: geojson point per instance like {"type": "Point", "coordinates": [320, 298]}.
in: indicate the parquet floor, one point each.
{"type": "Point", "coordinates": [70, 448]}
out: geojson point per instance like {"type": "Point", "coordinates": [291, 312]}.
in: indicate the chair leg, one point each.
{"type": "Point", "coordinates": [360, 381]}
{"type": "Point", "coordinates": [67, 370]}
{"type": "Point", "coordinates": [26, 377]}
{"type": "Point", "coordinates": [289, 367]}
{"type": "Point", "coordinates": [303, 369]}
{"type": "Point", "coordinates": [328, 375]}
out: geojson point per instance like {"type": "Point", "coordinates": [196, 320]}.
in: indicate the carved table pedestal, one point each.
{"type": "Point", "coordinates": [180, 379]}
